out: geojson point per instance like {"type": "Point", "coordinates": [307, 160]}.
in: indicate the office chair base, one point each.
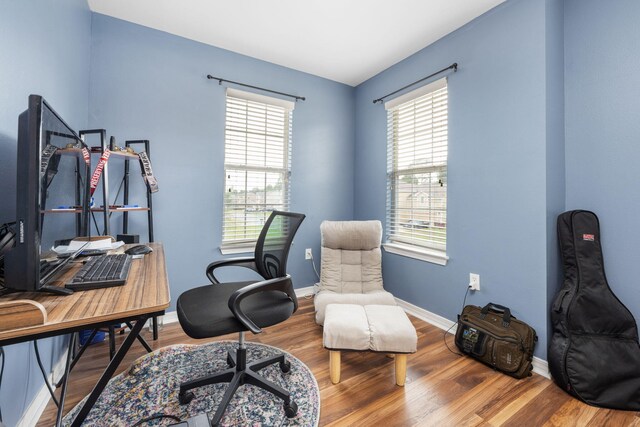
{"type": "Point", "coordinates": [239, 373]}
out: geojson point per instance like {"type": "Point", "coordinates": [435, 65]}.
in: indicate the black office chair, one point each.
{"type": "Point", "coordinates": [222, 308]}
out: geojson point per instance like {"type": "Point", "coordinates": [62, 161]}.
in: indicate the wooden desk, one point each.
{"type": "Point", "coordinates": [146, 294]}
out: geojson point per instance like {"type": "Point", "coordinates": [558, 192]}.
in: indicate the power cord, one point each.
{"type": "Point", "coordinates": [313, 262]}
{"type": "Point", "coordinates": [44, 375]}
{"type": "Point", "coordinates": [444, 336]}
{"type": "Point", "coordinates": [316, 285]}
{"type": "Point", "coordinates": [156, 417]}
{"type": "Point", "coordinates": [1, 374]}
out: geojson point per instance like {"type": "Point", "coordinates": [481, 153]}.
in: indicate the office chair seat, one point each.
{"type": "Point", "coordinates": [204, 312]}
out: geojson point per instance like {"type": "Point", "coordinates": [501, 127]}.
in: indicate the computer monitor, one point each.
{"type": "Point", "coordinates": [52, 194]}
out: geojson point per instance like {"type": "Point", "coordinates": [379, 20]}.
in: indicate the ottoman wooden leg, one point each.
{"type": "Point", "coordinates": [401, 369]}
{"type": "Point", "coordinates": [334, 366]}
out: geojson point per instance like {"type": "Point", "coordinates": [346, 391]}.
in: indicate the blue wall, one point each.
{"type": "Point", "coordinates": [44, 49]}
{"type": "Point", "coordinates": [146, 84]}
{"type": "Point", "coordinates": [602, 77]}
{"type": "Point", "coordinates": [555, 176]}
{"type": "Point", "coordinates": [497, 194]}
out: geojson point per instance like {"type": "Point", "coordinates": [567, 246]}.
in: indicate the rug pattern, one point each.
{"type": "Point", "coordinates": [150, 386]}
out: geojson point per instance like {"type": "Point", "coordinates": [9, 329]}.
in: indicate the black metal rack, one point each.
{"type": "Point", "coordinates": [125, 215]}
{"type": "Point", "coordinates": [124, 184]}
{"type": "Point", "coordinates": [106, 209]}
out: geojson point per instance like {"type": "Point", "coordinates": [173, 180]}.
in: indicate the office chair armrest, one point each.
{"type": "Point", "coordinates": [248, 262]}
{"type": "Point", "coordinates": [283, 284]}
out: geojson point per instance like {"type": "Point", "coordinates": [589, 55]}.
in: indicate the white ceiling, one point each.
{"type": "Point", "coordinates": [347, 41]}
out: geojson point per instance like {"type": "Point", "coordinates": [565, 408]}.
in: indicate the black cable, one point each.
{"type": "Point", "coordinates": [44, 375]}
{"type": "Point", "coordinates": [1, 374]}
{"type": "Point", "coordinates": [156, 417]}
{"type": "Point", "coordinates": [444, 336]}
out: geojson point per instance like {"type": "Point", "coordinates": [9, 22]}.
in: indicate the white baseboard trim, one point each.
{"type": "Point", "coordinates": [540, 366]}
{"type": "Point", "coordinates": [305, 292]}
{"type": "Point", "coordinates": [34, 411]}
{"type": "Point", "coordinates": [170, 317]}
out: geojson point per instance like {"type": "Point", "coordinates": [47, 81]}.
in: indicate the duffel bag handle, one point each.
{"type": "Point", "coordinates": [506, 316]}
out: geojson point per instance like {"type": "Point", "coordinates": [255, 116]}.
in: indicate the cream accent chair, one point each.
{"type": "Point", "coordinates": [351, 269]}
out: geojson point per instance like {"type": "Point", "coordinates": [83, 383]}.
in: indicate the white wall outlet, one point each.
{"type": "Point", "coordinates": [307, 253]}
{"type": "Point", "coordinates": [474, 281]}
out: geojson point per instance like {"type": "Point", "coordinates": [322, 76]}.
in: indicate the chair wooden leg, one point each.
{"type": "Point", "coordinates": [401, 369]}
{"type": "Point", "coordinates": [334, 366]}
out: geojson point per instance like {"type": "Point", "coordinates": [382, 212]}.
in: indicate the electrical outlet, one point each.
{"type": "Point", "coordinates": [474, 281]}
{"type": "Point", "coordinates": [307, 253]}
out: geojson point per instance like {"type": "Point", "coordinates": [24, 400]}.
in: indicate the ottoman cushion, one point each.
{"type": "Point", "coordinates": [346, 327]}
{"type": "Point", "coordinates": [381, 328]}
{"type": "Point", "coordinates": [390, 329]}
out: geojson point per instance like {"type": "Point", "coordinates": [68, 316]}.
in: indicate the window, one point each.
{"type": "Point", "coordinates": [257, 164]}
{"type": "Point", "coordinates": [417, 173]}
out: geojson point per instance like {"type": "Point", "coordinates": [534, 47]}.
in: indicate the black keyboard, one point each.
{"type": "Point", "coordinates": [101, 272]}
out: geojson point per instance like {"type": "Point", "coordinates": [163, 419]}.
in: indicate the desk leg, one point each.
{"type": "Point", "coordinates": [142, 340]}
{"type": "Point", "coordinates": [155, 328]}
{"type": "Point", "coordinates": [108, 372]}
{"type": "Point", "coordinates": [77, 356]}
{"type": "Point", "coordinates": [67, 370]}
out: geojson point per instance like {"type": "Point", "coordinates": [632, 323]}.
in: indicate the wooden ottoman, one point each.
{"type": "Point", "coordinates": [379, 328]}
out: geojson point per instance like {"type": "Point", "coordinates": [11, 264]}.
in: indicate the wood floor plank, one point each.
{"type": "Point", "coordinates": [442, 388]}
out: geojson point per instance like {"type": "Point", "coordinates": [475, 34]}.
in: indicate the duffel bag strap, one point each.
{"type": "Point", "coordinates": [506, 316]}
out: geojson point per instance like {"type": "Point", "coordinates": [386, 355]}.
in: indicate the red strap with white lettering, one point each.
{"type": "Point", "coordinates": [98, 171]}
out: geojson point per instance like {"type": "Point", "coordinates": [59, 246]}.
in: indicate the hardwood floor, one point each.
{"type": "Point", "coordinates": [442, 389]}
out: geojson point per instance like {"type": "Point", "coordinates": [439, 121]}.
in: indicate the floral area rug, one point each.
{"type": "Point", "coordinates": [150, 387]}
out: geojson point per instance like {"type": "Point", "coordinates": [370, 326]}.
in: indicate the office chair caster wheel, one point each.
{"type": "Point", "coordinates": [285, 366]}
{"type": "Point", "coordinates": [185, 397]}
{"type": "Point", "coordinates": [291, 409]}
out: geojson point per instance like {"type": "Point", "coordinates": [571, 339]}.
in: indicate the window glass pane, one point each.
{"type": "Point", "coordinates": [417, 171]}
{"type": "Point", "coordinates": [257, 166]}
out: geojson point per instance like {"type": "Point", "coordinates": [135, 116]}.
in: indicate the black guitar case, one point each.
{"type": "Point", "coordinates": [593, 353]}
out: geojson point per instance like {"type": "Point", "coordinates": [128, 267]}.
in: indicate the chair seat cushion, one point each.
{"type": "Point", "coordinates": [204, 312]}
{"type": "Point", "coordinates": [324, 298]}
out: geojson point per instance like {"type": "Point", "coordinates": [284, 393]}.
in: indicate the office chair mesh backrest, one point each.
{"type": "Point", "coordinates": [272, 247]}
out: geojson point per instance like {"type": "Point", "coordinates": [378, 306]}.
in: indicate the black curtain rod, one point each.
{"type": "Point", "coordinates": [220, 80]}
{"type": "Point", "coordinates": [453, 67]}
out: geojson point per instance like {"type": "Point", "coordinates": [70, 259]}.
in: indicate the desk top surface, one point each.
{"type": "Point", "coordinates": [146, 291]}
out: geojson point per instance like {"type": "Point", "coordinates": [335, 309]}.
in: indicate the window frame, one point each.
{"type": "Point", "coordinates": [396, 243]}
{"type": "Point", "coordinates": [236, 246]}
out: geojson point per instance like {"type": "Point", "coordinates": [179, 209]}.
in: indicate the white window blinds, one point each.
{"type": "Point", "coordinates": [257, 163]}
{"type": "Point", "coordinates": [417, 167]}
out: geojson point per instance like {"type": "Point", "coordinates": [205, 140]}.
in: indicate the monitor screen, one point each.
{"type": "Point", "coordinates": [52, 192]}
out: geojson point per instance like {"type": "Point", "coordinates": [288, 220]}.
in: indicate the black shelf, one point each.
{"type": "Point", "coordinates": [107, 209]}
